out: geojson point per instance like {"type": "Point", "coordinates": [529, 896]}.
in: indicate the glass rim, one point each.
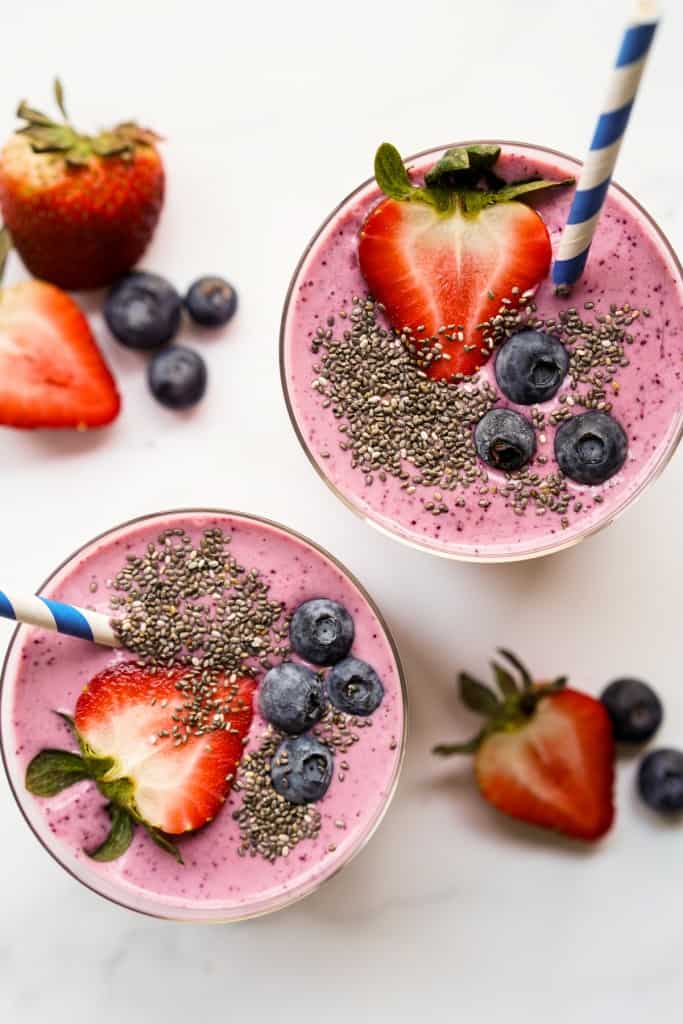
{"type": "Point", "coordinates": [394, 532]}
{"type": "Point", "coordinates": [196, 916]}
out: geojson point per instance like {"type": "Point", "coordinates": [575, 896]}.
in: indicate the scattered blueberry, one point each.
{"type": "Point", "coordinates": [591, 447]}
{"type": "Point", "coordinates": [143, 310]}
{"type": "Point", "coordinates": [291, 697]}
{"type": "Point", "coordinates": [504, 439]}
{"type": "Point", "coordinates": [177, 377]}
{"type": "Point", "coordinates": [321, 631]}
{"type": "Point", "coordinates": [660, 780]}
{"type": "Point", "coordinates": [530, 367]}
{"type": "Point", "coordinates": [635, 710]}
{"type": "Point", "coordinates": [211, 301]}
{"type": "Point", "coordinates": [354, 687]}
{"type": "Point", "coordinates": [301, 769]}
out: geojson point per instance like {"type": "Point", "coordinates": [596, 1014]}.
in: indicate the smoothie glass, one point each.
{"type": "Point", "coordinates": [650, 402]}
{"type": "Point", "coordinates": [45, 671]}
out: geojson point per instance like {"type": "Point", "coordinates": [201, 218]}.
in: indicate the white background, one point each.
{"type": "Point", "coordinates": [272, 113]}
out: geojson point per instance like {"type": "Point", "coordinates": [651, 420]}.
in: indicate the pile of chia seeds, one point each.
{"type": "Point", "coordinates": [194, 606]}
{"type": "Point", "coordinates": [397, 421]}
{"type": "Point", "coordinates": [270, 826]}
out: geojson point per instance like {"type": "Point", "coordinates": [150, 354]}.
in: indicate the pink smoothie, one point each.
{"type": "Point", "coordinates": [45, 672]}
{"type": "Point", "coordinates": [630, 262]}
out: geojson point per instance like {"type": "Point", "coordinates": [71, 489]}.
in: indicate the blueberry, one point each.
{"type": "Point", "coordinates": [292, 697]}
{"type": "Point", "coordinates": [353, 686]}
{"type": "Point", "coordinates": [635, 710]}
{"type": "Point", "coordinates": [301, 769]}
{"type": "Point", "coordinates": [660, 780]}
{"type": "Point", "coordinates": [321, 631]}
{"type": "Point", "coordinates": [504, 439]}
{"type": "Point", "coordinates": [530, 367]}
{"type": "Point", "coordinates": [211, 301]}
{"type": "Point", "coordinates": [177, 377]}
{"type": "Point", "coordinates": [590, 448]}
{"type": "Point", "coordinates": [143, 310]}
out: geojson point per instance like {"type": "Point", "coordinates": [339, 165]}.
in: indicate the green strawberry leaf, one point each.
{"type": "Point", "coordinates": [391, 175]}
{"type": "Point", "coordinates": [521, 188]}
{"type": "Point", "coordinates": [524, 673]}
{"type": "Point", "coordinates": [462, 166]}
{"type": "Point", "coordinates": [163, 842]}
{"type": "Point", "coordinates": [468, 747]}
{"type": "Point", "coordinates": [51, 771]}
{"type": "Point", "coordinates": [506, 682]}
{"type": "Point", "coordinates": [478, 697]}
{"type": "Point", "coordinates": [27, 113]}
{"type": "Point", "coordinates": [119, 838]}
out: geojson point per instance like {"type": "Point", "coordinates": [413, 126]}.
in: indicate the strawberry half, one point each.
{"type": "Point", "coordinates": [176, 789]}
{"type": "Point", "coordinates": [51, 372]}
{"type": "Point", "coordinates": [546, 755]}
{"type": "Point", "coordinates": [446, 254]}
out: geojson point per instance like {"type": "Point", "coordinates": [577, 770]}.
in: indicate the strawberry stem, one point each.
{"type": "Point", "coordinates": [5, 246]}
{"type": "Point", "coordinates": [59, 96]}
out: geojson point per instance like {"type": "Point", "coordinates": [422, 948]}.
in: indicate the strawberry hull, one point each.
{"type": "Point", "coordinates": [631, 262]}
{"type": "Point", "coordinates": [44, 672]}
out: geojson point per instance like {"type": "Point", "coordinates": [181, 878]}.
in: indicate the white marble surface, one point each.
{"type": "Point", "coordinates": [272, 114]}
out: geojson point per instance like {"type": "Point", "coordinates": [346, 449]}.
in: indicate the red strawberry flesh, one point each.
{"type": "Point", "coordinates": [51, 372]}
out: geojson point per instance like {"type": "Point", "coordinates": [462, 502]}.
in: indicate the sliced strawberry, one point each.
{"type": "Point", "coordinates": [432, 270]}
{"type": "Point", "coordinates": [51, 372]}
{"type": "Point", "coordinates": [445, 255]}
{"type": "Point", "coordinates": [556, 771]}
{"type": "Point", "coordinates": [546, 755]}
{"type": "Point", "coordinates": [176, 789]}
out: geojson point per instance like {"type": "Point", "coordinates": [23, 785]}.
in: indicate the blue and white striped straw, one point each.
{"type": "Point", "coordinates": [59, 617]}
{"type": "Point", "coordinates": [598, 168]}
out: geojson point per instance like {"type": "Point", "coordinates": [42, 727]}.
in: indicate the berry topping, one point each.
{"type": "Point", "coordinates": [591, 447]}
{"type": "Point", "coordinates": [354, 687]}
{"type": "Point", "coordinates": [442, 256]}
{"type": "Point", "coordinates": [143, 310]}
{"type": "Point", "coordinates": [530, 367]}
{"type": "Point", "coordinates": [211, 301]}
{"type": "Point", "coordinates": [301, 769]}
{"type": "Point", "coordinates": [150, 767]}
{"type": "Point", "coordinates": [81, 208]}
{"type": "Point", "coordinates": [505, 439]}
{"type": "Point", "coordinates": [291, 697]}
{"type": "Point", "coordinates": [177, 377]}
{"type": "Point", "coordinates": [321, 631]}
{"type": "Point", "coordinates": [660, 780]}
{"type": "Point", "coordinates": [51, 372]}
{"type": "Point", "coordinates": [635, 709]}
{"type": "Point", "coordinates": [545, 754]}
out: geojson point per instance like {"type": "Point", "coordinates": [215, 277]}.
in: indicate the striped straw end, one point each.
{"type": "Point", "coordinates": [69, 620]}
{"type": "Point", "coordinates": [637, 41]}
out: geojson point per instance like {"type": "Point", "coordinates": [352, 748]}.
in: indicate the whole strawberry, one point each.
{"type": "Point", "coordinates": [81, 208]}
{"type": "Point", "coordinates": [546, 753]}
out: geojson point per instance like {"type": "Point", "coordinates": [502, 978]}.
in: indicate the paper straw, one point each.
{"type": "Point", "coordinates": [59, 617]}
{"type": "Point", "coordinates": [598, 168]}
